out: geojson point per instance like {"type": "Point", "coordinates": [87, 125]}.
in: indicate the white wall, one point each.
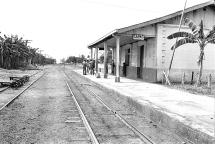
{"type": "Point", "coordinates": [134, 55]}
{"type": "Point", "coordinates": [150, 53]}
{"type": "Point", "coordinates": [186, 56]}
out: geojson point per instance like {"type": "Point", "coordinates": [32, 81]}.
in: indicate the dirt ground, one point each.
{"type": "Point", "coordinates": [43, 114]}
{"type": "Point", "coordinates": [4, 73]}
{"type": "Point", "coordinates": [46, 113]}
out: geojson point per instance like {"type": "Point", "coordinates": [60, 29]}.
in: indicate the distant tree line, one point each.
{"type": "Point", "coordinates": [74, 59]}
{"type": "Point", "coordinates": [109, 57]}
{"type": "Point", "coordinates": [16, 53]}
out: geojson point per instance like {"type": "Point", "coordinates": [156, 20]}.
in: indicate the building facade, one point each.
{"type": "Point", "coordinates": [148, 57]}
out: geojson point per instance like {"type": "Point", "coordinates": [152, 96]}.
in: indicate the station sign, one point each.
{"type": "Point", "coordinates": [138, 37]}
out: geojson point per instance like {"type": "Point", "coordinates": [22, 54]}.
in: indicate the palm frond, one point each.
{"type": "Point", "coordinates": [192, 26]}
{"type": "Point", "coordinates": [1, 38]}
{"type": "Point", "coordinates": [211, 33]}
{"type": "Point", "coordinates": [201, 30]}
{"type": "Point", "coordinates": [182, 42]}
{"type": "Point", "coordinates": [5, 36]}
{"type": "Point", "coordinates": [212, 40]}
{"type": "Point", "coordinates": [181, 34]}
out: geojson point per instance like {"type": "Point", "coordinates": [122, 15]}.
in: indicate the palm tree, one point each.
{"type": "Point", "coordinates": [15, 52]}
{"type": "Point", "coordinates": [197, 36]}
{"type": "Point", "coordinates": [2, 40]}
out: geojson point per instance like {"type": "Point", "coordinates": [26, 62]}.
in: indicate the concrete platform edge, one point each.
{"type": "Point", "coordinates": [162, 119]}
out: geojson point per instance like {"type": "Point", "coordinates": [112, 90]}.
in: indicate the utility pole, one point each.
{"type": "Point", "coordinates": [173, 53]}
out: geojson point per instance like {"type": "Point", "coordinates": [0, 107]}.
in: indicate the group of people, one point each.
{"type": "Point", "coordinates": [89, 67]}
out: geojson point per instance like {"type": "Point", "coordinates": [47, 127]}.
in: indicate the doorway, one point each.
{"type": "Point", "coordinates": [127, 61]}
{"type": "Point", "coordinates": [140, 71]}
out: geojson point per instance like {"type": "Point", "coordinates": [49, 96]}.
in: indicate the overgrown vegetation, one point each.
{"type": "Point", "coordinates": [197, 36]}
{"type": "Point", "coordinates": [15, 52]}
{"type": "Point", "coordinates": [201, 90]}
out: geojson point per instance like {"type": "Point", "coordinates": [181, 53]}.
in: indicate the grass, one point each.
{"type": "Point", "coordinates": [201, 90]}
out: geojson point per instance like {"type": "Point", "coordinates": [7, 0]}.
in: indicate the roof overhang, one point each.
{"type": "Point", "coordinates": [102, 39]}
{"type": "Point", "coordinates": [127, 39]}
{"type": "Point", "coordinates": [111, 41]}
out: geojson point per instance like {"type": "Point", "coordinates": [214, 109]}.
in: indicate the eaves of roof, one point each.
{"type": "Point", "coordinates": [150, 22]}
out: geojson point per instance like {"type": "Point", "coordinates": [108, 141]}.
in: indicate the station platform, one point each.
{"type": "Point", "coordinates": [188, 115]}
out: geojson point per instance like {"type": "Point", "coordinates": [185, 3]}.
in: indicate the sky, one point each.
{"type": "Point", "coordinates": [62, 28]}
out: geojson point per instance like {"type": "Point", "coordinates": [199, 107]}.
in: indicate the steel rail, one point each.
{"type": "Point", "coordinates": [143, 137]}
{"type": "Point", "coordinates": [15, 97]}
{"type": "Point", "coordinates": [84, 119]}
{"type": "Point", "coordinates": [7, 87]}
{"type": "Point", "coordinates": [135, 130]}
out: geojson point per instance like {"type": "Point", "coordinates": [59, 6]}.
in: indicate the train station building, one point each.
{"type": "Point", "coordinates": [146, 52]}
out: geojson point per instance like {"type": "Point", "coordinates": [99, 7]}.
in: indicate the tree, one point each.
{"type": "Point", "coordinates": [82, 57]}
{"type": "Point", "coordinates": [63, 60]}
{"type": "Point", "coordinates": [15, 52]}
{"type": "Point", "coordinates": [197, 36]}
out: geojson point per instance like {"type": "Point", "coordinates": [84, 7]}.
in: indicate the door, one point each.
{"type": "Point", "coordinates": [140, 72]}
{"type": "Point", "coordinates": [127, 61]}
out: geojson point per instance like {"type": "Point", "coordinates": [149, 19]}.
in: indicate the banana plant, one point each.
{"type": "Point", "coordinates": [15, 52]}
{"type": "Point", "coordinates": [197, 36]}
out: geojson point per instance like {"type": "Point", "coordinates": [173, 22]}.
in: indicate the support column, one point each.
{"type": "Point", "coordinates": [117, 78]}
{"type": "Point", "coordinates": [96, 60]}
{"type": "Point", "coordinates": [113, 53]}
{"type": "Point", "coordinates": [113, 61]}
{"type": "Point", "coordinates": [91, 53]}
{"type": "Point", "coordinates": [105, 60]}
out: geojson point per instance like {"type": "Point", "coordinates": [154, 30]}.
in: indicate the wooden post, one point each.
{"type": "Point", "coordinates": [173, 53]}
{"type": "Point", "coordinates": [192, 78]}
{"type": "Point", "coordinates": [183, 78]}
{"type": "Point", "coordinates": [209, 80]}
{"type": "Point", "coordinates": [96, 63]}
{"type": "Point", "coordinates": [105, 59]}
{"type": "Point", "coordinates": [167, 79]}
{"type": "Point", "coordinates": [117, 78]}
{"type": "Point", "coordinates": [163, 78]}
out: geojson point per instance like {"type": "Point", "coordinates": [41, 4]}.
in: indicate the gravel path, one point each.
{"type": "Point", "coordinates": [43, 114]}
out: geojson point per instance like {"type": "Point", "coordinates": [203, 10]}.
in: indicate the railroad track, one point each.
{"type": "Point", "coordinates": [84, 119]}
{"type": "Point", "coordinates": [3, 89]}
{"type": "Point", "coordinates": [143, 137]}
{"type": "Point", "coordinates": [16, 96]}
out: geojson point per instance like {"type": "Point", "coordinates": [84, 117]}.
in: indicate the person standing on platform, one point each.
{"type": "Point", "coordinates": [84, 67]}
{"type": "Point", "coordinates": [92, 67]}
{"type": "Point", "coordinates": [112, 67]}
